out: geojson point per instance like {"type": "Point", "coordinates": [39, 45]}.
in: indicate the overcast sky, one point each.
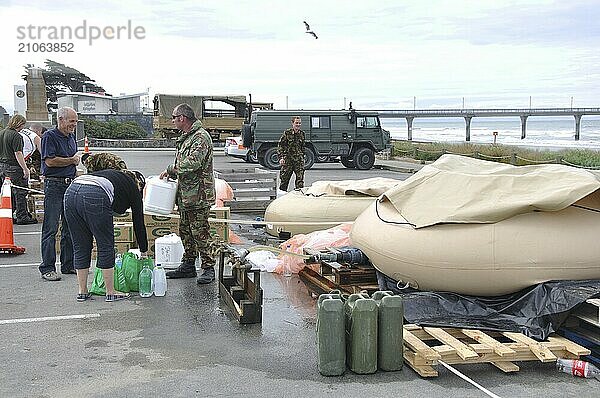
{"type": "Point", "coordinates": [379, 55]}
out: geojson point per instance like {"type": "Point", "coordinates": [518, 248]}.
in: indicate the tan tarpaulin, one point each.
{"type": "Point", "coordinates": [368, 187]}
{"type": "Point", "coordinates": [457, 189]}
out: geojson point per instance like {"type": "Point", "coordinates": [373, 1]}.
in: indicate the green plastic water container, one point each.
{"type": "Point", "coordinates": [390, 340]}
{"type": "Point", "coordinates": [331, 338]}
{"type": "Point", "coordinates": [361, 333]}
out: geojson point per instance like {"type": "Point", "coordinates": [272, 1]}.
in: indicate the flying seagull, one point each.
{"type": "Point", "coordinates": [310, 32]}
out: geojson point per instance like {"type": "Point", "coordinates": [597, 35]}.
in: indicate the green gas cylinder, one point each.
{"type": "Point", "coordinates": [361, 333]}
{"type": "Point", "coordinates": [391, 314]}
{"type": "Point", "coordinates": [331, 342]}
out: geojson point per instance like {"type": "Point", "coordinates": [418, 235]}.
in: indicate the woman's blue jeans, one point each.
{"type": "Point", "coordinates": [89, 214]}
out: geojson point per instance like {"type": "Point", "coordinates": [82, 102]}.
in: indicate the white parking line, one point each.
{"type": "Point", "coordinates": [20, 265]}
{"type": "Point", "coordinates": [48, 318]}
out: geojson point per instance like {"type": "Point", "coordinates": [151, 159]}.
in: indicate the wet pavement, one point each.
{"type": "Point", "coordinates": [188, 344]}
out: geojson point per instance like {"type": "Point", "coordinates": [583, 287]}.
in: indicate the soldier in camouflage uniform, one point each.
{"type": "Point", "coordinates": [103, 161]}
{"type": "Point", "coordinates": [291, 155]}
{"type": "Point", "coordinates": [193, 168]}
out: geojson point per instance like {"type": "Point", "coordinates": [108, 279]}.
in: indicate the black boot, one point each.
{"type": "Point", "coordinates": [185, 270]}
{"type": "Point", "coordinates": [25, 221]}
{"type": "Point", "coordinates": [207, 276]}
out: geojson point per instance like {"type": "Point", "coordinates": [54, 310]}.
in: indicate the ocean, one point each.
{"type": "Point", "coordinates": [542, 132]}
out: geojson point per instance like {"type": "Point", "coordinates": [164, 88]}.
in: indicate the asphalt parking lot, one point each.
{"type": "Point", "coordinates": [187, 344]}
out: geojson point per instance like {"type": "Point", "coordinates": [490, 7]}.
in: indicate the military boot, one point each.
{"type": "Point", "coordinates": [207, 276]}
{"type": "Point", "coordinates": [187, 269]}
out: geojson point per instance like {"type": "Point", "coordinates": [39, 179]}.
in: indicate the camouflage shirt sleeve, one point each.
{"type": "Point", "coordinates": [284, 144]}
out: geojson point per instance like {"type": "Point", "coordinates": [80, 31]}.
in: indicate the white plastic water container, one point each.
{"type": "Point", "coordinates": [168, 251]}
{"type": "Point", "coordinates": [159, 195]}
{"type": "Point", "coordinates": [159, 281]}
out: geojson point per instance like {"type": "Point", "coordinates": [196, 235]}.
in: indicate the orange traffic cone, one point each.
{"type": "Point", "coordinates": [7, 242]}
{"type": "Point", "coordinates": [86, 148]}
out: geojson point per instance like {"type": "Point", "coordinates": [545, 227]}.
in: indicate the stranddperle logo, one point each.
{"type": "Point", "coordinates": [51, 38]}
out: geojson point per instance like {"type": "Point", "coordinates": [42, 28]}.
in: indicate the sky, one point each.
{"type": "Point", "coordinates": [383, 54]}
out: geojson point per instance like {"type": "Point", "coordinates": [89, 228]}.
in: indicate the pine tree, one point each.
{"type": "Point", "coordinates": [60, 77]}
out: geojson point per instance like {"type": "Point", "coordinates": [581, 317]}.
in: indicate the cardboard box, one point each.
{"type": "Point", "coordinates": [156, 231]}
{"type": "Point", "coordinates": [154, 219]}
{"type": "Point", "coordinates": [123, 217]}
{"type": "Point", "coordinates": [151, 248]}
{"type": "Point", "coordinates": [220, 231]}
{"type": "Point", "coordinates": [124, 232]}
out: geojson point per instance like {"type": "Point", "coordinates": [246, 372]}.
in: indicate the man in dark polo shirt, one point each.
{"type": "Point", "coordinates": [59, 161]}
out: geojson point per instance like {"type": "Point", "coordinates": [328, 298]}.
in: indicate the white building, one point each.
{"type": "Point", "coordinates": [98, 104]}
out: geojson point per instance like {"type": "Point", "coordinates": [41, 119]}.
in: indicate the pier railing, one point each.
{"type": "Point", "coordinates": [469, 114]}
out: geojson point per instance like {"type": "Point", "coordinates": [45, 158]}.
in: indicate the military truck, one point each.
{"type": "Point", "coordinates": [354, 136]}
{"type": "Point", "coordinates": [221, 116]}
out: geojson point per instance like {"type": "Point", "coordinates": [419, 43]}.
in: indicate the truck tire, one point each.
{"type": "Point", "coordinates": [261, 161]}
{"type": "Point", "coordinates": [309, 158]}
{"type": "Point", "coordinates": [364, 158]}
{"type": "Point", "coordinates": [347, 162]}
{"type": "Point", "coordinates": [251, 157]}
{"type": "Point", "coordinates": [271, 159]}
{"type": "Point", "coordinates": [247, 137]}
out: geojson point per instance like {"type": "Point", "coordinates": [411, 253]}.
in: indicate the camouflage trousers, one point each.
{"type": "Point", "coordinates": [194, 231]}
{"type": "Point", "coordinates": [285, 174]}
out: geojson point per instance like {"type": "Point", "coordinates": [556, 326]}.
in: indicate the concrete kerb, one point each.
{"type": "Point", "coordinates": [398, 165]}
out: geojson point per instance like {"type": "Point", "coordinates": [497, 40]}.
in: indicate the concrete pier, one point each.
{"type": "Point", "coordinates": [469, 114]}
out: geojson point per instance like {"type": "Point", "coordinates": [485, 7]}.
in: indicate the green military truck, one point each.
{"type": "Point", "coordinates": [354, 136]}
{"type": "Point", "coordinates": [222, 116]}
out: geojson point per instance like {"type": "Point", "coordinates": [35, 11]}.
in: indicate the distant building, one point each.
{"type": "Point", "coordinates": [98, 104]}
{"type": "Point", "coordinates": [104, 107]}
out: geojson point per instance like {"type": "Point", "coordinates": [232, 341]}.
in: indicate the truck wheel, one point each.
{"type": "Point", "coordinates": [261, 161]}
{"type": "Point", "coordinates": [364, 158]}
{"type": "Point", "coordinates": [251, 157]}
{"type": "Point", "coordinates": [309, 158]}
{"type": "Point", "coordinates": [272, 159]}
{"type": "Point", "coordinates": [347, 162]}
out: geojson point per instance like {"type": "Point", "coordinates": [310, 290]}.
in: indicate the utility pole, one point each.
{"type": "Point", "coordinates": [414, 103]}
{"type": "Point", "coordinates": [571, 102]}
{"type": "Point", "coordinates": [286, 102]}
{"type": "Point", "coordinates": [463, 103]}
{"type": "Point", "coordinates": [530, 102]}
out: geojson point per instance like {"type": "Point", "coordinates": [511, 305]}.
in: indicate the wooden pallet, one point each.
{"type": "Point", "coordinates": [340, 276]}
{"type": "Point", "coordinates": [466, 346]}
{"type": "Point", "coordinates": [583, 327]}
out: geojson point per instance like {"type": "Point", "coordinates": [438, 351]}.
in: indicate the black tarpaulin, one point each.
{"type": "Point", "coordinates": [536, 311]}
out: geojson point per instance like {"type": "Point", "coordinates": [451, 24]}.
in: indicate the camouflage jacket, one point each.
{"type": "Point", "coordinates": [103, 161]}
{"type": "Point", "coordinates": [193, 168]}
{"type": "Point", "coordinates": [291, 145]}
